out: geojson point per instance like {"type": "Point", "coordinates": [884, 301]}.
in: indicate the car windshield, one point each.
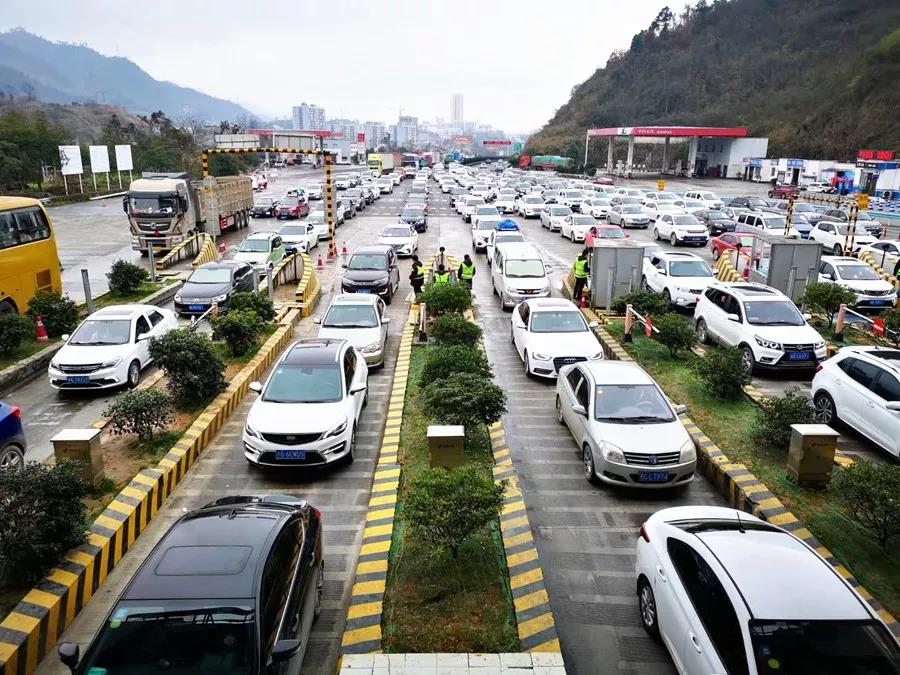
{"type": "Point", "coordinates": [715, 214]}
{"type": "Point", "coordinates": [289, 201]}
{"type": "Point", "coordinates": [255, 246]}
{"type": "Point", "coordinates": [102, 332]}
{"type": "Point", "coordinates": [857, 273]}
{"type": "Point", "coordinates": [560, 211]}
{"type": "Point", "coordinates": [368, 261]}
{"type": "Point", "coordinates": [313, 186]}
{"type": "Point", "coordinates": [689, 268]}
{"type": "Point", "coordinates": [666, 197]}
{"type": "Point", "coordinates": [316, 217]}
{"type": "Point", "coordinates": [584, 221]}
{"type": "Point", "coordinates": [823, 647]}
{"type": "Point", "coordinates": [180, 637]}
{"type": "Point", "coordinates": [693, 203]}
{"type": "Point", "coordinates": [782, 313]}
{"type": "Point", "coordinates": [396, 232]}
{"type": "Point", "coordinates": [486, 211]}
{"type": "Point", "coordinates": [507, 237]}
{"type": "Point", "coordinates": [413, 213]}
{"type": "Point", "coordinates": [263, 202]}
{"type": "Point", "coordinates": [292, 230]}
{"type": "Point", "coordinates": [631, 404]}
{"type": "Point", "coordinates": [524, 268]}
{"type": "Point", "coordinates": [600, 202]}
{"type": "Point", "coordinates": [610, 233]}
{"type": "Point", "coordinates": [151, 203]}
{"type": "Point", "coordinates": [533, 200]}
{"type": "Point", "coordinates": [557, 322]}
{"type": "Point", "coordinates": [351, 316]}
{"type": "Point", "coordinates": [862, 215]}
{"type": "Point", "coordinates": [776, 222]}
{"type": "Point", "coordinates": [304, 383]}
{"type": "Point", "coordinates": [210, 275]}
{"type": "Point", "coordinates": [805, 208]}
{"type": "Point", "coordinates": [685, 220]}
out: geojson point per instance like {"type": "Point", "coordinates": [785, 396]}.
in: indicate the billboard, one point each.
{"type": "Point", "coordinates": [123, 158]}
{"type": "Point", "coordinates": [461, 139]}
{"type": "Point", "coordinates": [360, 138]}
{"type": "Point", "coordinates": [70, 160]}
{"type": "Point", "coordinates": [497, 142]}
{"type": "Point", "coordinates": [99, 158]}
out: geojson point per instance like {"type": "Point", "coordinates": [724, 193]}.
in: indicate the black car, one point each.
{"type": "Point", "coordinates": [348, 207]}
{"type": "Point", "coordinates": [264, 207]}
{"type": "Point", "coordinates": [752, 203]}
{"type": "Point", "coordinates": [213, 281]}
{"type": "Point", "coordinates": [372, 269]}
{"type": "Point", "coordinates": [233, 587]}
{"type": "Point", "coordinates": [356, 196]}
{"type": "Point", "coordinates": [716, 221]}
{"type": "Point", "coordinates": [415, 218]}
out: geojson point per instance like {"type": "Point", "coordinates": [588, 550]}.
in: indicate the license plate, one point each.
{"type": "Point", "coordinates": [799, 356]}
{"type": "Point", "coordinates": [363, 290]}
{"type": "Point", "coordinates": [290, 454]}
{"type": "Point", "coordinates": [653, 476]}
{"type": "Point", "coordinates": [878, 302]}
{"type": "Point", "coordinates": [196, 308]}
{"type": "Point", "coordinates": [78, 379]}
{"type": "Point", "coordinates": [695, 238]}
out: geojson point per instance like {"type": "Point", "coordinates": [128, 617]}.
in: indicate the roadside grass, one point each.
{"type": "Point", "coordinates": [730, 424]}
{"type": "Point", "coordinates": [25, 349]}
{"type": "Point", "coordinates": [437, 604]}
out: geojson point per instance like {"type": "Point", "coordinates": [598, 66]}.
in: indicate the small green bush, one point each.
{"type": "Point", "coordinates": [455, 329]}
{"type": "Point", "coordinates": [59, 313]}
{"type": "Point", "coordinates": [141, 412]}
{"type": "Point", "coordinates": [892, 324]}
{"type": "Point", "coordinates": [239, 328]}
{"type": "Point", "coordinates": [464, 398]}
{"type": "Point", "coordinates": [14, 329]}
{"type": "Point", "coordinates": [442, 362]}
{"type": "Point", "coordinates": [192, 365]}
{"type": "Point", "coordinates": [644, 303]}
{"type": "Point", "coordinates": [827, 298]}
{"type": "Point", "coordinates": [258, 302]}
{"type": "Point", "coordinates": [446, 298]}
{"type": "Point", "coordinates": [444, 507]}
{"type": "Point", "coordinates": [722, 371]}
{"type": "Point", "coordinates": [775, 416]}
{"type": "Point", "coordinates": [870, 493]}
{"type": "Point", "coordinates": [125, 277]}
{"type": "Point", "coordinates": [41, 517]}
{"type": "Point", "coordinates": [675, 332]}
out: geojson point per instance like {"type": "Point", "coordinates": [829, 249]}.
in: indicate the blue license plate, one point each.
{"type": "Point", "coordinates": [878, 302]}
{"type": "Point", "coordinates": [196, 308]}
{"type": "Point", "coordinates": [363, 290]}
{"type": "Point", "coordinates": [78, 379]}
{"type": "Point", "coordinates": [290, 454]}
{"type": "Point", "coordinates": [653, 476]}
{"type": "Point", "coordinates": [799, 356]}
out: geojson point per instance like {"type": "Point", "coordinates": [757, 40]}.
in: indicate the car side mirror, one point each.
{"type": "Point", "coordinates": [125, 204]}
{"type": "Point", "coordinates": [680, 408]}
{"type": "Point", "coordinates": [68, 654]}
{"type": "Point", "coordinates": [733, 317]}
{"type": "Point", "coordinates": [65, 337]}
{"type": "Point", "coordinates": [344, 265]}
{"type": "Point", "coordinates": [317, 319]}
{"type": "Point", "coordinates": [285, 649]}
{"type": "Point", "coordinates": [807, 316]}
{"type": "Point", "coordinates": [385, 321]}
{"type": "Point", "coordinates": [593, 324]}
{"type": "Point", "coordinates": [143, 336]}
{"type": "Point", "coordinates": [893, 406]}
{"type": "Point", "coordinates": [255, 386]}
{"type": "Point", "coordinates": [578, 409]}
{"type": "Point", "coordinates": [359, 389]}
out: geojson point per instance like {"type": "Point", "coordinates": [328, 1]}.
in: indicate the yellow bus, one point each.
{"type": "Point", "coordinates": [28, 259]}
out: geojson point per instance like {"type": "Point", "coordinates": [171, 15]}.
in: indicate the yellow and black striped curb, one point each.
{"type": "Point", "coordinates": [307, 293]}
{"type": "Point", "coordinates": [30, 630]}
{"type": "Point", "coordinates": [208, 252]}
{"type": "Point", "coordinates": [725, 271]}
{"type": "Point", "coordinates": [176, 253]}
{"type": "Point", "coordinates": [867, 257]}
{"type": "Point", "coordinates": [362, 631]}
{"type": "Point", "coordinates": [746, 492]}
{"type": "Point", "coordinates": [534, 617]}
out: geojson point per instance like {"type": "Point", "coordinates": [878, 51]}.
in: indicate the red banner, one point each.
{"type": "Point", "coordinates": [497, 142]}
{"type": "Point", "coordinates": [461, 139]}
{"type": "Point", "coordinates": [880, 155]}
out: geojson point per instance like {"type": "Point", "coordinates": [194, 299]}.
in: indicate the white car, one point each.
{"type": "Point", "coordinates": [886, 254]}
{"type": "Point", "coordinates": [300, 237]}
{"type": "Point", "coordinates": [571, 198]}
{"type": "Point", "coordinates": [553, 216]}
{"type": "Point", "coordinates": [833, 236]}
{"type": "Point", "coordinates": [628, 215]}
{"type": "Point", "coordinates": [480, 212]}
{"type": "Point", "coordinates": [385, 185]}
{"type": "Point", "coordinates": [598, 207]}
{"type": "Point", "coordinates": [506, 202]}
{"type": "Point", "coordinates": [402, 237]}
{"type": "Point", "coordinates": [727, 592]}
{"type": "Point", "coordinates": [691, 206]}
{"type": "Point", "coordinates": [359, 319]}
{"type": "Point", "coordinates": [872, 292]}
{"type": "Point", "coordinates": [660, 197]}
{"type": "Point", "coordinates": [313, 191]}
{"type": "Point", "coordinates": [109, 348]}
{"type": "Point", "coordinates": [860, 386]}
{"type": "Point", "coordinates": [529, 206]}
{"type": "Point", "coordinates": [681, 229]}
{"type": "Point", "coordinates": [320, 227]}
{"type": "Point", "coordinates": [680, 277]}
{"type": "Point", "coordinates": [498, 237]}
{"type": "Point", "coordinates": [655, 209]}
{"type": "Point", "coordinates": [396, 178]}
{"type": "Point", "coordinates": [466, 206]}
{"type": "Point", "coordinates": [342, 182]}
{"type": "Point", "coordinates": [709, 199]}
{"type": "Point", "coordinates": [550, 333]}
{"type": "Point", "coordinates": [626, 430]}
{"type": "Point", "coordinates": [576, 226]}
{"type": "Point", "coordinates": [765, 223]}
{"type": "Point", "coordinates": [760, 321]}
{"type": "Point", "coordinates": [307, 412]}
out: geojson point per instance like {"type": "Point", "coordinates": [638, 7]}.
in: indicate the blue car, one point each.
{"type": "Point", "coordinates": [12, 437]}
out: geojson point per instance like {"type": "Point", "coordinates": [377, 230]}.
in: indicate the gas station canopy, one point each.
{"type": "Point", "coordinates": [682, 132]}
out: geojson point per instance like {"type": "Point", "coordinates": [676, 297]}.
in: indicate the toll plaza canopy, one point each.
{"type": "Point", "coordinates": [682, 132]}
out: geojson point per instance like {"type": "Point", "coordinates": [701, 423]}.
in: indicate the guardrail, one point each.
{"type": "Point", "coordinates": [876, 329]}
{"type": "Point", "coordinates": [208, 252]}
{"type": "Point", "coordinates": [867, 257]}
{"type": "Point", "coordinates": [190, 246]}
{"type": "Point", "coordinates": [632, 315]}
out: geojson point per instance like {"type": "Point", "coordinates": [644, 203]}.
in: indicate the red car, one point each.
{"type": "Point", "coordinates": [783, 191]}
{"type": "Point", "coordinates": [603, 180]}
{"type": "Point", "coordinates": [728, 241]}
{"type": "Point", "coordinates": [291, 207]}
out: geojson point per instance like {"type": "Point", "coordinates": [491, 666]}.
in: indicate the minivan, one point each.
{"type": "Point", "coordinates": [518, 273]}
{"type": "Point", "coordinates": [764, 223]}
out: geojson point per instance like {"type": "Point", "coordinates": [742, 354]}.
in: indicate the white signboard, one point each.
{"type": "Point", "coordinates": [70, 160]}
{"type": "Point", "coordinates": [99, 158]}
{"type": "Point", "coordinates": [123, 158]}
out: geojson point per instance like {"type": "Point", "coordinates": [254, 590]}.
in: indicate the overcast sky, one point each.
{"type": "Point", "coordinates": [514, 61]}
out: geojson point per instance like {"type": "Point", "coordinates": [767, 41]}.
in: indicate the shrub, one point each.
{"type": "Point", "coordinates": [192, 365]}
{"type": "Point", "coordinates": [125, 277]}
{"type": "Point", "coordinates": [643, 302]}
{"type": "Point", "coordinates": [675, 332]}
{"type": "Point", "coordinates": [464, 398]}
{"type": "Point", "coordinates": [239, 328]}
{"type": "Point", "coordinates": [455, 329]}
{"type": "Point", "coordinates": [41, 517]}
{"type": "Point", "coordinates": [722, 371]}
{"type": "Point", "coordinates": [442, 362]}
{"type": "Point", "coordinates": [775, 416]}
{"type": "Point", "coordinates": [140, 411]}
{"type": "Point", "coordinates": [258, 302]}
{"type": "Point", "coordinates": [892, 323]}
{"type": "Point", "coordinates": [871, 494]}
{"type": "Point", "coordinates": [827, 298]}
{"type": "Point", "coordinates": [444, 507]}
{"type": "Point", "coordinates": [13, 330]}
{"type": "Point", "coordinates": [446, 298]}
{"type": "Point", "coordinates": [59, 313]}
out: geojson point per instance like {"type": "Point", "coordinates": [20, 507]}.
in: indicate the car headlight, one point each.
{"type": "Point", "coordinates": [819, 345]}
{"type": "Point", "coordinates": [539, 357]}
{"type": "Point", "coordinates": [221, 298]}
{"type": "Point", "coordinates": [348, 282]}
{"type": "Point", "coordinates": [611, 453]}
{"type": "Point", "coordinates": [54, 364]}
{"type": "Point", "coordinates": [178, 297]}
{"type": "Point", "coordinates": [682, 289]}
{"type": "Point", "coordinates": [336, 431]}
{"type": "Point", "coordinates": [111, 364]}
{"type": "Point", "coordinates": [251, 431]}
{"type": "Point", "coordinates": [372, 348]}
{"type": "Point", "coordinates": [767, 344]}
{"type": "Point", "coordinates": [688, 452]}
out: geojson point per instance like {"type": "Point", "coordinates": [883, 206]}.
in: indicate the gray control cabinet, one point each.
{"type": "Point", "coordinates": [787, 264]}
{"type": "Point", "coordinates": [616, 270]}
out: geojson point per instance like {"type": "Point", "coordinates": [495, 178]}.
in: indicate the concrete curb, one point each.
{"type": "Point", "coordinates": [208, 252]}
{"type": "Point", "coordinates": [175, 254]}
{"type": "Point", "coordinates": [746, 492]}
{"type": "Point", "coordinates": [29, 631]}
{"type": "Point", "coordinates": [308, 287]}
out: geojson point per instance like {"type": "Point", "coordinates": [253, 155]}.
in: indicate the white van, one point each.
{"type": "Point", "coordinates": [764, 223]}
{"type": "Point", "coordinates": [518, 273]}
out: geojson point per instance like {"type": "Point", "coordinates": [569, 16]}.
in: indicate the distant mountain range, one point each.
{"type": "Point", "coordinates": [31, 66]}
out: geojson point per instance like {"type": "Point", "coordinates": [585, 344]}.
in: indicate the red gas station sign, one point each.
{"type": "Point", "coordinates": [878, 155]}
{"type": "Point", "coordinates": [360, 138]}
{"type": "Point", "coordinates": [497, 142]}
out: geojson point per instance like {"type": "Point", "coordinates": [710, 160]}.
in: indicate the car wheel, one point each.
{"type": "Point", "coordinates": [366, 395]}
{"type": "Point", "coordinates": [826, 412]}
{"type": "Point", "coordinates": [673, 239]}
{"type": "Point", "coordinates": [349, 458]}
{"type": "Point", "coordinates": [572, 237]}
{"type": "Point", "coordinates": [656, 234]}
{"type": "Point", "coordinates": [837, 250]}
{"type": "Point", "coordinates": [559, 412]}
{"type": "Point", "coordinates": [134, 374]}
{"type": "Point", "coordinates": [587, 457]}
{"type": "Point", "coordinates": [715, 254]}
{"type": "Point", "coordinates": [390, 297]}
{"type": "Point", "coordinates": [667, 295]}
{"type": "Point", "coordinates": [12, 457]}
{"type": "Point", "coordinates": [647, 605]}
{"type": "Point", "coordinates": [320, 589]}
{"type": "Point", "coordinates": [702, 333]}
{"type": "Point", "coordinates": [747, 359]}
{"type": "Point", "coordinates": [525, 361]}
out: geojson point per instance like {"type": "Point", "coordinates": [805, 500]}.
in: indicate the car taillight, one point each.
{"type": "Point", "coordinates": [16, 411]}
{"type": "Point", "coordinates": [318, 513]}
{"type": "Point", "coordinates": [644, 534]}
{"type": "Point", "coordinates": [818, 367]}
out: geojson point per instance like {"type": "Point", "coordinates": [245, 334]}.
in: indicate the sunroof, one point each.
{"type": "Point", "coordinates": [203, 561]}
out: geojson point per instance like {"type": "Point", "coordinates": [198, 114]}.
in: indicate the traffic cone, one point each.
{"type": "Point", "coordinates": [320, 264]}
{"type": "Point", "coordinates": [330, 258]}
{"type": "Point", "coordinates": [40, 331]}
{"type": "Point", "coordinates": [344, 250]}
{"type": "Point", "coordinates": [222, 247]}
{"type": "Point", "coordinates": [582, 303]}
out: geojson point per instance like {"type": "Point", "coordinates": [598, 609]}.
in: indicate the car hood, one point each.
{"type": "Point", "coordinates": [527, 283]}
{"type": "Point", "coordinates": [76, 355]}
{"type": "Point", "coordinates": [643, 438]}
{"type": "Point", "coordinates": [788, 334]}
{"type": "Point", "coordinates": [564, 344]}
{"type": "Point", "coordinates": [394, 241]}
{"type": "Point", "coordinates": [867, 285]}
{"type": "Point", "coordinates": [693, 282]}
{"type": "Point", "coordinates": [358, 337]}
{"type": "Point", "coordinates": [192, 290]}
{"type": "Point", "coordinates": [365, 275]}
{"type": "Point", "coordinates": [251, 256]}
{"type": "Point", "coordinates": [284, 418]}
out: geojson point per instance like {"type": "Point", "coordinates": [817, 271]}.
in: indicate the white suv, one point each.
{"type": "Point", "coordinates": [833, 236]}
{"type": "Point", "coordinates": [861, 387]}
{"type": "Point", "coordinates": [680, 229]}
{"type": "Point", "coordinates": [762, 322]}
{"type": "Point", "coordinates": [872, 292]}
{"type": "Point", "coordinates": [680, 277]}
{"type": "Point", "coordinates": [709, 199]}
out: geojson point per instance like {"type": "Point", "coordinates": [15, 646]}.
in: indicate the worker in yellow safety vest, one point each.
{"type": "Point", "coordinates": [441, 275]}
{"type": "Point", "coordinates": [582, 269]}
{"type": "Point", "coordinates": [466, 271]}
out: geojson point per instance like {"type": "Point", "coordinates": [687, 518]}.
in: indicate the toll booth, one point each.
{"type": "Point", "coordinates": [780, 262]}
{"type": "Point", "coordinates": [616, 270]}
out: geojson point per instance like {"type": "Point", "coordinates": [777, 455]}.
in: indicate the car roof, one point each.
{"type": "Point", "coordinates": [678, 255]}
{"type": "Point", "coordinates": [550, 304]}
{"type": "Point", "coordinates": [750, 291]}
{"type": "Point", "coordinates": [520, 250]}
{"type": "Point", "coordinates": [313, 351]}
{"type": "Point", "coordinates": [844, 260]}
{"type": "Point", "coordinates": [610, 372]}
{"type": "Point", "coordinates": [887, 357]}
{"type": "Point", "coordinates": [262, 235]}
{"type": "Point", "coordinates": [222, 264]}
{"type": "Point", "coordinates": [372, 248]}
{"type": "Point", "coordinates": [355, 299]}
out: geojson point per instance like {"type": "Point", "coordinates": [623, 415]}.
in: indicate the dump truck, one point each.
{"type": "Point", "coordinates": [164, 209]}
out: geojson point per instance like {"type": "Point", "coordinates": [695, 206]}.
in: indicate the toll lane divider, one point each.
{"type": "Point", "coordinates": [308, 291]}
{"type": "Point", "coordinates": [290, 268]}
{"type": "Point", "coordinates": [746, 492]}
{"type": "Point", "coordinates": [191, 245]}
{"type": "Point", "coordinates": [868, 258]}
{"type": "Point", "coordinates": [30, 630]}
{"type": "Point", "coordinates": [208, 252]}
{"type": "Point", "coordinates": [362, 630]}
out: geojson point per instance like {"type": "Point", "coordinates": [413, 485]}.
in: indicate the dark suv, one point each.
{"type": "Point", "coordinates": [232, 587]}
{"type": "Point", "coordinates": [372, 269]}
